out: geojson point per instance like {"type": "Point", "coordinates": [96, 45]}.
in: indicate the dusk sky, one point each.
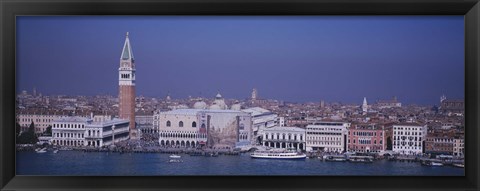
{"type": "Point", "coordinates": [296, 58]}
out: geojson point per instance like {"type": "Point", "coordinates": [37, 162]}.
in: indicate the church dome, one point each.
{"type": "Point", "coordinates": [218, 96]}
{"type": "Point", "coordinates": [200, 105]}
{"type": "Point", "coordinates": [215, 106]}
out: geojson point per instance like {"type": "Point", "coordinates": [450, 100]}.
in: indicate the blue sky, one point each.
{"type": "Point", "coordinates": [291, 58]}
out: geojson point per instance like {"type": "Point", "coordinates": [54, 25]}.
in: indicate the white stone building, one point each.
{"type": "Point", "coordinates": [409, 138]}
{"type": "Point", "coordinates": [69, 131]}
{"type": "Point", "coordinates": [327, 136]}
{"type": "Point", "coordinates": [81, 131]}
{"type": "Point", "coordinates": [458, 146]}
{"type": "Point", "coordinates": [262, 119]}
{"type": "Point", "coordinates": [203, 127]}
{"type": "Point", "coordinates": [104, 133]}
{"type": "Point", "coordinates": [284, 137]}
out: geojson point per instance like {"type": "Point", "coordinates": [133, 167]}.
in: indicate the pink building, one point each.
{"type": "Point", "coordinates": [366, 138]}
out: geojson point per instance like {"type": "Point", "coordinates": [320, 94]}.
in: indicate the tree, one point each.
{"type": "Point", "coordinates": [29, 136]}
{"type": "Point", "coordinates": [48, 131]}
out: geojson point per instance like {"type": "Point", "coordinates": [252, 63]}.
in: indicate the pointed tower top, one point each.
{"type": "Point", "coordinates": [127, 53]}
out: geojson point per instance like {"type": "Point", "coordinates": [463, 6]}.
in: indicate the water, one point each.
{"type": "Point", "coordinates": [155, 164]}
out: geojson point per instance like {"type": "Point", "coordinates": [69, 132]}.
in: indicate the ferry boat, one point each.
{"type": "Point", "coordinates": [277, 155]}
{"type": "Point", "coordinates": [335, 158]}
{"type": "Point", "coordinates": [361, 159]}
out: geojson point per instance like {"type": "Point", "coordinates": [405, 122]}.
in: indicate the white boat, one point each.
{"type": "Point", "coordinates": [44, 150]}
{"type": "Point", "coordinates": [55, 151]}
{"type": "Point", "coordinates": [174, 156]}
{"type": "Point", "coordinates": [175, 161]}
{"type": "Point", "coordinates": [277, 155]}
{"type": "Point", "coordinates": [458, 165]}
{"type": "Point", "coordinates": [431, 163]}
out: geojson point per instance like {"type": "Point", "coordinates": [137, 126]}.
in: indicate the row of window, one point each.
{"type": "Point", "coordinates": [405, 138]}
{"type": "Point", "coordinates": [365, 133]}
{"type": "Point", "coordinates": [180, 124]}
{"type": "Point", "coordinates": [366, 142]}
{"type": "Point", "coordinates": [407, 133]}
{"type": "Point", "coordinates": [76, 126]}
{"type": "Point", "coordinates": [188, 136]}
{"type": "Point", "coordinates": [272, 136]}
{"type": "Point", "coordinates": [325, 142]}
{"type": "Point", "coordinates": [322, 133]}
{"type": "Point", "coordinates": [68, 135]}
{"type": "Point", "coordinates": [36, 120]}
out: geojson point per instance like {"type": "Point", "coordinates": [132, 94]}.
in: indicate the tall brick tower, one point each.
{"type": "Point", "coordinates": [126, 82]}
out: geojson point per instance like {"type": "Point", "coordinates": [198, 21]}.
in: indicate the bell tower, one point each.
{"type": "Point", "coordinates": [126, 83]}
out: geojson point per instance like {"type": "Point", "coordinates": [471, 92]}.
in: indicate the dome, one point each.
{"type": "Point", "coordinates": [200, 105]}
{"type": "Point", "coordinates": [218, 96]}
{"type": "Point", "coordinates": [215, 106]}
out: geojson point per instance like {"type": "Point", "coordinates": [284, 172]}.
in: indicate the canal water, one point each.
{"type": "Point", "coordinates": [156, 164]}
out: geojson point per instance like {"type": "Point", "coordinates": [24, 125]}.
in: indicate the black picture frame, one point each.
{"type": "Point", "coordinates": [9, 9]}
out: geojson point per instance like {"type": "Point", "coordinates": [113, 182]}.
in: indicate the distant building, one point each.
{"type": "Point", "coordinates": [204, 127]}
{"type": "Point", "coordinates": [388, 103]}
{"type": "Point", "coordinates": [41, 121]}
{"type": "Point", "coordinates": [284, 137]}
{"type": "Point", "coordinates": [365, 105]}
{"type": "Point", "coordinates": [366, 138]}
{"type": "Point", "coordinates": [455, 106]}
{"type": "Point", "coordinates": [459, 146]}
{"type": "Point", "coordinates": [327, 136]}
{"type": "Point", "coordinates": [409, 138]}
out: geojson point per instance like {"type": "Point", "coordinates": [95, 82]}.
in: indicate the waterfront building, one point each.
{"type": "Point", "coordinates": [388, 103]}
{"type": "Point", "coordinates": [284, 137]}
{"type": "Point", "coordinates": [439, 141]}
{"type": "Point", "coordinates": [262, 119]}
{"type": "Point", "coordinates": [409, 138]}
{"type": "Point", "coordinates": [40, 121]}
{"type": "Point", "coordinates": [204, 127]}
{"type": "Point", "coordinates": [126, 82]}
{"type": "Point", "coordinates": [459, 146]}
{"type": "Point", "coordinates": [105, 133]}
{"type": "Point", "coordinates": [144, 122]}
{"type": "Point", "coordinates": [366, 138]}
{"type": "Point", "coordinates": [327, 136]}
{"type": "Point", "coordinates": [69, 131]}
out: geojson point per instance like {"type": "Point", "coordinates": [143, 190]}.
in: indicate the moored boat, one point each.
{"type": "Point", "coordinates": [361, 159]}
{"type": "Point", "coordinates": [458, 165]}
{"type": "Point", "coordinates": [44, 150]}
{"type": "Point", "coordinates": [277, 155]}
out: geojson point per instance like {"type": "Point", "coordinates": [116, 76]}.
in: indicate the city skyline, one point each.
{"type": "Point", "coordinates": [176, 56]}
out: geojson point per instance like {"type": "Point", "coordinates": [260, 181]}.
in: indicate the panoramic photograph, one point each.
{"type": "Point", "coordinates": [240, 95]}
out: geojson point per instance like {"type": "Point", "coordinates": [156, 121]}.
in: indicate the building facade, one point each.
{"type": "Point", "coordinates": [105, 133]}
{"type": "Point", "coordinates": [126, 82]}
{"type": "Point", "coordinates": [366, 138]}
{"type": "Point", "coordinates": [327, 136]}
{"type": "Point", "coordinates": [284, 137]}
{"type": "Point", "coordinates": [69, 131]}
{"type": "Point", "coordinates": [459, 146]}
{"type": "Point", "coordinates": [41, 122]}
{"type": "Point", "coordinates": [409, 138]}
{"type": "Point", "coordinates": [262, 119]}
{"type": "Point", "coordinates": [204, 128]}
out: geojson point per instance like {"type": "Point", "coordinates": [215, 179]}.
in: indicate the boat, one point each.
{"type": "Point", "coordinates": [55, 151]}
{"type": "Point", "coordinates": [458, 165]}
{"type": "Point", "coordinates": [277, 155]}
{"type": "Point", "coordinates": [174, 156]}
{"type": "Point", "coordinates": [361, 159]}
{"type": "Point", "coordinates": [44, 150]}
{"type": "Point", "coordinates": [432, 163]}
{"type": "Point", "coordinates": [335, 158]}
{"type": "Point", "coordinates": [175, 161]}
